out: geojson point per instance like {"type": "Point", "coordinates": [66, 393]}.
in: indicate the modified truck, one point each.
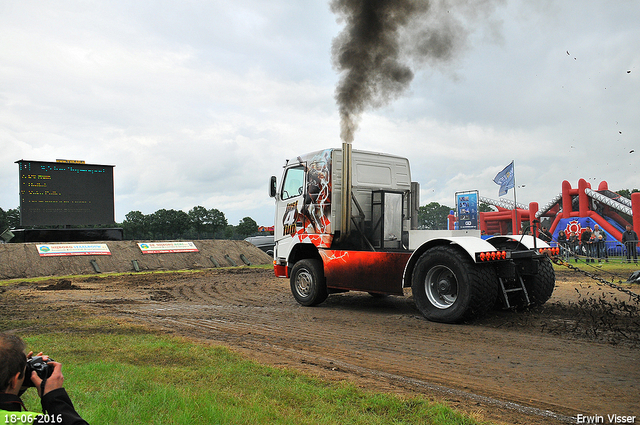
{"type": "Point", "coordinates": [347, 220]}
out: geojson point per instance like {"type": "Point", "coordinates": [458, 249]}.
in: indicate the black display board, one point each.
{"type": "Point", "coordinates": [58, 193]}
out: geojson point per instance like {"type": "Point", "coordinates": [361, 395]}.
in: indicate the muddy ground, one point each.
{"type": "Point", "coordinates": [578, 354]}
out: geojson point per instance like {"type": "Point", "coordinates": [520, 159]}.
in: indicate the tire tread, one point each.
{"type": "Point", "coordinates": [482, 280]}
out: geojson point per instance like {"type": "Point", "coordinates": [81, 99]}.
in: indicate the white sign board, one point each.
{"type": "Point", "coordinates": [54, 250]}
{"type": "Point", "coordinates": [166, 247]}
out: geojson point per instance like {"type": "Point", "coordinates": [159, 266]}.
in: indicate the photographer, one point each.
{"type": "Point", "coordinates": [56, 404]}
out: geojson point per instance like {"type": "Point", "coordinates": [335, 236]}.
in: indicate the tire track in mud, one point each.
{"type": "Point", "coordinates": [233, 311]}
{"type": "Point", "coordinates": [386, 339]}
{"type": "Point", "coordinates": [216, 325]}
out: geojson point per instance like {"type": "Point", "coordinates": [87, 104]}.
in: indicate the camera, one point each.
{"type": "Point", "coordinates": [42, 368]}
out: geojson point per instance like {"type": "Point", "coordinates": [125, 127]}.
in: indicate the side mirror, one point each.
{"type": "Point", "coordinates": [272, 187]}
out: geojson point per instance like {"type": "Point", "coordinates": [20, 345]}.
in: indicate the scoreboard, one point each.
{"type": "Point", "coordinates": [65, 193]}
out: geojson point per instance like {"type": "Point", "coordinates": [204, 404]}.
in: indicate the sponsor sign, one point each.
{"type": "Point", "coordinates": [166, 247]}
{"type": "Point", "coordinates": [467, 208]}
{"type": "Point", "coordinates": [73, 249]}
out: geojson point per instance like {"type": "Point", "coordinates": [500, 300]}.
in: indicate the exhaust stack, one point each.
{"type": "Point", "coordinates": [345, 218]}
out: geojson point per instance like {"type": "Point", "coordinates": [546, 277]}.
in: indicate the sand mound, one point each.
{"type": "Point", "coordinates": [23, 260]}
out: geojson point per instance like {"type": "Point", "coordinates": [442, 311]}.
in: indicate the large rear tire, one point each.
{"type": "Point", "coordinates": [449, 287]}
{"type": "Point", "coordinates": [540, 286]}
{"type": "Point", "coordinates": [308, 284]}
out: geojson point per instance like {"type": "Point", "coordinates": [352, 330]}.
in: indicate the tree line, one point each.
{"type": "Point", "coordinates": [198, 223]}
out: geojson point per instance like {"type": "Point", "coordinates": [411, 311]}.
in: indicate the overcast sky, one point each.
{"type": "Point", "coordinates": [199, 102]}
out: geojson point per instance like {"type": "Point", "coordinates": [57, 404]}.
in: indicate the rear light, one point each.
{"type": "Point", "coordinates": [492, 256]}
{"type": "Point", "coordinates": [551, 252]}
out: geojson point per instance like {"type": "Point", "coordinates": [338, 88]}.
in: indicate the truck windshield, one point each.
{"type": "Point", "coordinates": [293, 183]}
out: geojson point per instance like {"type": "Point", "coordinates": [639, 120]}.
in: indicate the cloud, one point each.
{"type": "Point", "coordinates": [198, 103]}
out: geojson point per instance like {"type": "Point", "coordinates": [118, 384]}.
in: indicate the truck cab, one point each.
{"type": "Point", "coordinates": [360, 233]}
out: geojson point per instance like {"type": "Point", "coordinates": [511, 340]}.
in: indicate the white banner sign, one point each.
{"type": "Point", "coordinates": [73, 249]}
{"type": "Point", "coordinates": [166, 247]}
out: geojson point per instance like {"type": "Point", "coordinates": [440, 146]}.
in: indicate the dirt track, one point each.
{"type": "Point", "coordinates": [521, 368]}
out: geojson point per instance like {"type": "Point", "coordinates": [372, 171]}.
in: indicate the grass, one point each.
{"type": "Point", "coordinates": [615, 268]}
{"type": "Point", "coordinates": [121, 374]}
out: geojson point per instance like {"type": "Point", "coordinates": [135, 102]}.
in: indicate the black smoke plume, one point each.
{"type": "Point", "coordinates": [381, 41]}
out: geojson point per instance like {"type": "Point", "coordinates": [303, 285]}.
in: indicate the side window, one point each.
{"type": "Point", "coordinates": [293, 183]}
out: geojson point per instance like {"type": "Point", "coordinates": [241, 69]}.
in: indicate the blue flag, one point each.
{"type": "Point", "coordinates": [506, 179]}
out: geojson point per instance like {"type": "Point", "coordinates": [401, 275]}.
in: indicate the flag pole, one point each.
{"type": "Point", "coordinates": [515, 202]}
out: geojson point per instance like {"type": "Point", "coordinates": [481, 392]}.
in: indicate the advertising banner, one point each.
{"type": "Point", "coordinates": [467, 207]}
{"type": "Point", "coordinates": [166, 247]}
{"type": "Point", "coordinates": [53, 250]}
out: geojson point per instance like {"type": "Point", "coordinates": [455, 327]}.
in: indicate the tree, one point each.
{"type": "Point", "coordinates": [229, 231]}
{"type": "Point", "coordinates": [169, 223]}
{"type": "Point", "coordinates": [246, 227]}
{"type": "Point", "coordinates": [135, 225]}
{"type": "Point", "coordinates": [3, 220]}
{"type": "Point", "coordinates": [207, 221]}
{"type": "Point", "coordinates": [217, 220]}
{"type": "Point", "coordinates": [626, 192]}
{"type": "Point", "coordinates": [12, 217]}
{"type": "Point", "coordinates": [198, 216]}
{"type": "Point", "coordinates": [433, 216]}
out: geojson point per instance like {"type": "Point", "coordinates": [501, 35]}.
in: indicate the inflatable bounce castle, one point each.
{"type": "Point", "coordinates": [572, 210]}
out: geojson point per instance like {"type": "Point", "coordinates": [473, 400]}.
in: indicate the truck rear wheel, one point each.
{"type": "Point", "coordinates": [449, 287]}
{"type": "Point", "coordinates": [540, 286]}
{"type": "Point", "coordinates": [308, 284]}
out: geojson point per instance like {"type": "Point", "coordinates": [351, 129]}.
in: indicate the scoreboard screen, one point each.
{"type": "Point", "coordinates": [65, 193]}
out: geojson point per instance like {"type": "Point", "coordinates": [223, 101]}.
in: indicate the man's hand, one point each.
{"type": "Point", "coordinates": [40, 354]}
{"type": "Point", "coordinates": [54, 382]}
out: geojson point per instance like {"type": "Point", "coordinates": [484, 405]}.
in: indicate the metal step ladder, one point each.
{"type": "Point", "coordinates": [520, 288]}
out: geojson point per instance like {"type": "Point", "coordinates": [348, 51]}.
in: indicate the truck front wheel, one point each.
{"type": "Point", "coordinates": [449, 287]}
{"type": "Point", "coordinates": [308, 284]}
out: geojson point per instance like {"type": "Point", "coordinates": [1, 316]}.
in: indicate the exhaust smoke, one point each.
{"type": "Point", "coordinates": [375, 52]}
{"type": "Point", "coordinates": [383, 40]}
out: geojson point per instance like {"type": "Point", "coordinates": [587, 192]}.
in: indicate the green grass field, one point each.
{"type": "Point", "coordinates": [121, 374]}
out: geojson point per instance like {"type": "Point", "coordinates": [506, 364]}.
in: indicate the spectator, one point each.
{"type": "Point", "coordinates": [602, 249]}
{"type": "Point", "coordinates": [593, 245]}
{"type": "Point", "coordinates": [585, 240]}
{"type": "Point", "coordinates": [600, 244]}
{"type": "Point", "coordinates": [545, 235]}
{"type": "Point", "coordinates": [630, 241]}
{"type": "Point", "coordinates": [574, 244]}
{"type": "Point", "coordinates": [562, 243]}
